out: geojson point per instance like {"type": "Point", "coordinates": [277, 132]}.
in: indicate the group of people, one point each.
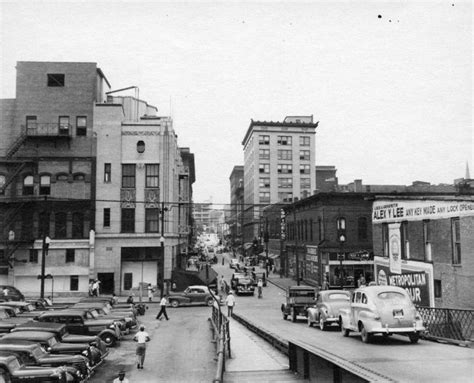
{"type": "Point", "coordinates": [94, 286]}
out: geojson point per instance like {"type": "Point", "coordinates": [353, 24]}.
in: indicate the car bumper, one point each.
{"type": "Point", "coordinates": [395, 330]}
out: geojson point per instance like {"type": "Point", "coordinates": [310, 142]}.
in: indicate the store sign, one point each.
{"type": "Point", "coordinates": [282, 224]}
{"type": "Point", "coordinates": [393, 211]}
{"type": "Point", "coordinates": [415, 283]}
{"type": "Point", "coordinates": [395, 248]}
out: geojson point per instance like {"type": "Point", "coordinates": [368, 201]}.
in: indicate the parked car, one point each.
{"type": "Point", "coordinates": [78, 322]}
{"type": "Point", "coordinates": [60, 330]}
{"type": "Point", "coordinates": [13, 370]}
{"type": "Point", "coordinates": [44, 304]}
{"type": "Point", "coordinates": [12, 315]}
{"type": "Point", "coordinates": [13, 294]}
{"type": "Point", "coordinates": [326, 310]}
{"type": "Point", "coordinates": [193, 295]}
{"type": "Point", "coordinates": [26, 309]}
{"type": "Point", "coordinates": [32, 354]}
{"type": "Point", "coordinates": [106, 311]}
{"type": "Point", "coordinates": [298, 299]}
{"type": "Point", "coordinates": [383, 310]}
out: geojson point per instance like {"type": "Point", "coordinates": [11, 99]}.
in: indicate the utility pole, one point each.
{"type": "Point", "coordinates": [44, 253]}
{"type": "Point", "coordinates": [162, 242]}
{"type": "Point", "coordinates": [296, 247]}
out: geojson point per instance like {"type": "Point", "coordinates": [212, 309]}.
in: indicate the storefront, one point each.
{"type": "Point", "coordinates": [345, 269]}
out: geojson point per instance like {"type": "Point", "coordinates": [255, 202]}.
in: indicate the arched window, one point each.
{"type": "Point", "coordinates": [78, 225]}
{"type": "Point", "coordinates": [45, 184]}
{"type": "Point", "coordinates": [60, 225]}
{"type": "Point", "coordinates": [362, 228]}
{"type": "Point", "coordinates": [140, 146]}
{"type": "Point", "coordinates": [79, 177]}
{"type": "Point", "coordinates": [62, 177]}
{"type": "Point", "coordinates": [28, 185]}
{"type": "Point", "coordinates": [341, 223]}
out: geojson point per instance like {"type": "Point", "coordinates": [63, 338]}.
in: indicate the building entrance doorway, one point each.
{"type": "Point", "coordinates": [106, 283]}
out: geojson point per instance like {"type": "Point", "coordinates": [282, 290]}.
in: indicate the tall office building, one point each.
{"type": "Point", "coordinates": [279, 165]}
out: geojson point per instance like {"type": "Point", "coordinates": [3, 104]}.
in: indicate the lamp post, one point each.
{"type": "Point", "coordinates": [342, 239]}
{"type": "Point", "coordinates": [46, 242]}
{"type": "Point", "coordinates": [162, 282]}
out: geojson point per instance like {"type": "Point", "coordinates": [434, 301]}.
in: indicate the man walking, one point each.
{"type": "Point", "coordinates": [163, 303]}
{"type": "Point", "coordinates": [141, 337]}
{"type": "Point", "coordinates": [230, 302]}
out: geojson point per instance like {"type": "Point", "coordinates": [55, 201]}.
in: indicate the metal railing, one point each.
{"type": "Point", "coordinates": [221, 337]}
{"type": "Point", "coordinates": [450, 324]}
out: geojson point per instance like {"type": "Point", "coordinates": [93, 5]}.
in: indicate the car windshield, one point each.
{"type": "Point", "coordinates": [4, 315]}
{"type": "Point", "coordinates": [392, 296]}
{"type": "Point", "coordinates": [338, 297]}
{"type": "Point", "coordinates": [14, 365]}
{"type": "Point", "coordinates": [302, 293]}
{"type": "Point", "coordinates": [38, 352]}
{"type": "Point", "coordinates": [29, 307]}
{"type": "Point", "coordinates": [52, 341]}
{"type": "Point", "coordinates": [93, 314]}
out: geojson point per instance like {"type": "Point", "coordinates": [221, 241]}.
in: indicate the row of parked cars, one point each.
{"type": "Point", "coordinates": [42, 342]}
{"type": "Point", "coordinates": [369, 310]}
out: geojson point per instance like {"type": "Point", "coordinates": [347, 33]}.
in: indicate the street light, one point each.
{"type": "Point", "coordinates": [342, 239]}
{"type": "Point", "coordinates": [162, 282]}
{"type": "Point", "coordinates": [46, 242]}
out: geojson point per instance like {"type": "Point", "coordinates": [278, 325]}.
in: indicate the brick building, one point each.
{"type": "Point", "coordinates": [426, 245]}
{"type": "Point", "coordinates": [236, 204]}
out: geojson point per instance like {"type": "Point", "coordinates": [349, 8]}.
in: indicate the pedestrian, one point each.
{"type": "Point", "coordinates": [95, 288]}
{"type": "Point", "coordinates": [130, 299]}
{"type": "Point", "coordinates": [114, 299]}
{"type": "Point", "coordinates": [5, 292]}
{"type": "Point", "coordinates": [230, 302]}
{"type": "Point", "coordinates": [173, 286]}
{"type": "Point", "coordinates": [163, 303]}
{"type": "Point", "coordinates": [121, 378]}
{"type": "Point", "coordinates": [151, 290]}
{"type": "Point", "coordinates": [141, 337]}
{"type": "Point", "coordinates": [222, 284]}
{"type": "Point", "coordinates": [91, 285]}
{"type": "Point", "coordinates": [260, 287]}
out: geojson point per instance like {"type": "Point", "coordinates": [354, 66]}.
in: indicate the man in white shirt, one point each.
{"type": "Point", "coordinates": [230, 302]}
{"type": "Point", "coordinates": [121, 378]}
{"type": "Point", "coordinates": [163, 303]}
{"type": "Point", "coordinates": [141, 337]}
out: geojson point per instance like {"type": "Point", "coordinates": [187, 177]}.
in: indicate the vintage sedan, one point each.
{"type": "Point", "coordinates": [298, 299]}
{"type": "Point", "coordinates": [383, 310]}
{"type": "Point", "coordinates": [244, 285]}
{"type": "Point", "coordinates": [234, 264]}
{"type": "Point", "coordinates": [326, 310]}
{"type": "Point", "coordinates": [193, 295]}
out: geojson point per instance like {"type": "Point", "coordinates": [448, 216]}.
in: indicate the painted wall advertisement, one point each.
{"type": "Point", "coordinates": [415, 283]}
{"type": "Point", "coordinates": [394, 248]}
{"type": "Point", "coordinates": [397, 210]}
{"type": "Point", "coordinates": [312, 264]}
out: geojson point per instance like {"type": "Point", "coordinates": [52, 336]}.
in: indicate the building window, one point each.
{"type": "Point", "coordinates": [456, 240]}
{"type": "Point", "coordinates": [81, 126]}
{"type": "Point", "coordinates": [31, 122]}
{"type": "Point", "coordinates": [79, 177]}
{"type": "Point", "coordinates": [60, 225]}
{"type": "Point", "coordinates": [33, 256]}
{"type": "Point", "coordinates": [285, 196]}
{"type": "Point", "coordinates": [264, 154]}
{"type": "Point", "coordinates": [74, 282]}
{"type": "Point", "coordinates": [127, 281]}
{"type": "Point", "coordinates": [264, 196]}
{"type": "Point", "coordinates": [438, 292]}
{"type": "Point", "coordinates": [304, 140]}
{"type": "Point", "coordinates": [152, 172]}
{"type": "Point", "coordinates": [141, 147]}
{"type": "Point", "coordinates": [404, 240]}
{"type": "Point", "coordinates": [285, 182]}
{"type": "Point", "coordinates": [151, 220]}
{"type": "Point", "coordinates": [2, 184]}
{"type": "Point", "coordinates": [107, 173]}
{"type": "Point", "coordinates": [63, 177]}
{"type": "Point", "coordinates": [285, 168]}
{"type": "Point", "coordinates": [77, 225]}
{"type": "Point", "coordinates": [128, 175]}
{"type": "Point", "coordinates": [427, 240]}
{"type": "Point", "coordinates": [264, 182]}
{"type": "Point", "coordinates": [385, 239]}
{"type": "Point", "coordinates": [70, 255]}
{"type": "Point", "coordinates": [284, 140]}
{"type": "Point", "coordinates": [320, 229]}
{"type": "Point", "coordinates": [107, 217]}
{"type": "Point", "coordinates": [28, 185]}
{"type": "Point", "coordinates": [304, 155]}
{"type": "Point", "coordinates": [264, 140]}
{"type": "Point", "coordinates": [305, 183]}
{"type": "Point", "coordinates": [45, 185]}
{"type": "Point", "coordinates": [264, 168]}
{"type": "Point", "coordinates": [44, 223]}
{"type": "Point", "coordinates": [362, 228]}
{"type": "Point", "coordinates": [55, 79]}
{"type": "Point", "coordinates": [284, 154]}
{"type": "Point", "coordinates": [128, 221]}
{"type": "Point", "coordinates": [304, 169]}
{"type": "Point", "coordinates": [63, 123]}
{"type": "Point", "coordinates": [311, 230]}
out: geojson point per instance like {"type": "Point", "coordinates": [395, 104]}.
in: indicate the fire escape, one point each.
{"type": "Point", "coordinates": [13, 199]}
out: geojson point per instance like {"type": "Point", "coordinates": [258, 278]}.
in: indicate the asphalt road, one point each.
{"type": "Point", "coordinates": [180, 349]}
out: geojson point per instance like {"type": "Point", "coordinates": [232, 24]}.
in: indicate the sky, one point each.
{"type": "Point", "coordinates": [390, 82]}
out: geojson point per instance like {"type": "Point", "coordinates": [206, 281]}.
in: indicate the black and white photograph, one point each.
{"type": "Point", "coordinates": [236, 191]}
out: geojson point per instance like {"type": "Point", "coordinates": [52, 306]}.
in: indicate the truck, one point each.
{"type": "Point", "coordinates": [298, 299]}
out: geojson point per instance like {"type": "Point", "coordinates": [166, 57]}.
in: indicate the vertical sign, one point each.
{"type": "Point", "coordinates": [394, 248]}
{"type": "Point", "coordinates": [282, 225]}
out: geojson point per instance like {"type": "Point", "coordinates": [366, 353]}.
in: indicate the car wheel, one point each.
{"type": "Point", "coordinates": [344, 331]}
{"type": "Point", "coordinates": [293, 315]}
{"type": "Point", "coordinates": [364, 334]}
{"type": "Point", "coordinates": [414, 338]}
{"type": "Point", "coordinates": [174, 303]}
{"type": "Point", "coordinates": [310, 322]}
{"type": "Point", "coordinates": [322, 323]}
{"type": "Point", "coordinates": [210, 302]}
{"type": "Point", "coordinates": [109, 340]}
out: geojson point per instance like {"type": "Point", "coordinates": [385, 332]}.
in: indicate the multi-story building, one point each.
{"type": "Point", "coordinates": [202, 216]}
{"type": "Point", "coordinates": [425, 244]}
{"type": "Point", "coordinates": [326, 179]}
{"type": "Point", "coordinates": [143, 191]}
{"type": "Point", "coordinates": [47, 176]}
{"type": "Point", "coordinates": [279, 165]}
{"type": "Point", "coordinates": [236, 204]}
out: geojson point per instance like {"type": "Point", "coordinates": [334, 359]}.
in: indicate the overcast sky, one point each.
{"type": "Point", "coordinates": [390, 82]}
